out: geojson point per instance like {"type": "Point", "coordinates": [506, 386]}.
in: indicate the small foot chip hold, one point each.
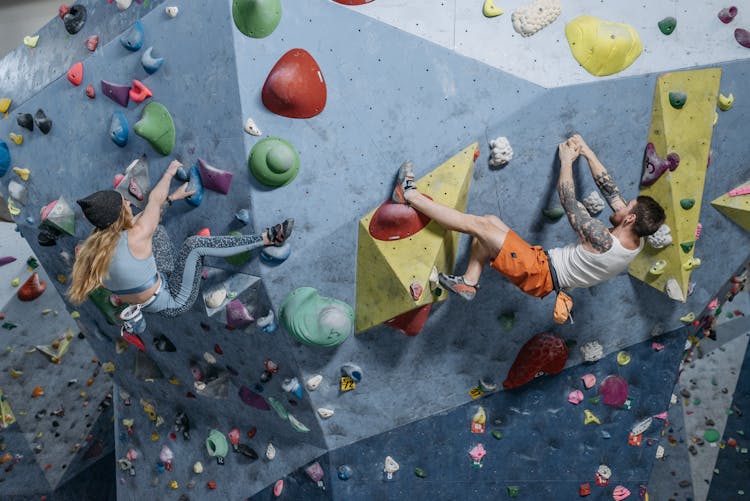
{"type": "Point", "coordinates": [30, 41]}
{"type": "Point", "coordinates": [677, 99]}
{"type": "Point", "coordinates": [16, 138]}
{"type": "Point", "coordinates": [691, 263]}
{"type": "Point", "coordinates": [658, 267]}
{"type": "Point", "coordinates": [688, 318]}
{"type": "Point", "coordinates": [726, 102]}
{"type": "Point", "coordinates": [123, 4]}
{"type": "Point", "coordinates": [92, 42]}
{"type": "Point", "coordinates": [419, 472]}
{"type": "Point", "coordinates": [313, 382]}
{"type": "Point", "coordinates": [251, 128]}
{"type": "Point", "coordinates": [315, 473]}
{"type": "Point", "coordinates": [325, 413]}
{"type": "Point", "coordinates": [667, 25]}
{"type": "Point", "coordinates": [90, 92]}
{"type": "Point", "coordinates": [278, 487]}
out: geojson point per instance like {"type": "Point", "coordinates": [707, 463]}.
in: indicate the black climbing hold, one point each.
{"type": "Point", "coordinates": [265, 377]}
{"type": "Point", "coordinates": [41, 121]}
{"type": "Point", "coordinates": [25, 120]}
{"type": "Point", "coordinates": [247, 451]}
{"type": "Point", "coordinates": [75, 19]}
{"type": "Point", "coordinates": [162, 343]}
{"type": "Point", "coordinates": [47, 236]}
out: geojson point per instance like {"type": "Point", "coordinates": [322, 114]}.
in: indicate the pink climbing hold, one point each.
{"type": "Point", "coordinates": [654, 166]}
{"type": "Point", "coordinates": [575, 397]}
{"type": "Point", "coordinates": [118, 179]}
{"type": "Point", "coordinates": [75, 74]}
{"type": "Point", "coordinates": [727, 14]}
{"type": "Point", "coordinates": [139, 92]}
{"type": "Point", "coordinates": [589, 380]}
{"type": "Point", "coordinates": [614, 391]}
{"type": "Point", "coordinates": [278, 488]}
{"type": "Point", "coordinates": [92, 42]}
{"type": "Point", "coordinates": [620, 493]}
{"type": "Point", "coordinates": [237, 315]}
{"type": "Point", "coordinates": [295, 87]}
{"type": "Point", "coordinates": [135, 190]}
{"type": "Point", "coordinates": [213, 178]}
{"type": "Point", "coordinates": [657, 346]}
{"type": "Point", "coordinates": [90, 92]}
{"type": "Point", "coordinates": [62, 10]}
{"type": "Point", "coordinates": [743, 37]}
{"type": "Point", "coordinates": [234, 436]}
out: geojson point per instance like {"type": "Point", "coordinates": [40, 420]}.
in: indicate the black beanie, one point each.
{"type": "Point", "coordinates": [101, 208]}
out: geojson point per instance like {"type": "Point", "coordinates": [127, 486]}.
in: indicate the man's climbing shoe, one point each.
{"type": "Point", "coordinates": [457, 285]}
{"type": "Point", "coordinates": [278, 233]}
{"type": "Point", "coordinates": [404, 182]}
{"type": "Point", "coordinates": [133, 339]}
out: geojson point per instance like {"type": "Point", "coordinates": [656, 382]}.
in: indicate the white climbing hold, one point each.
{"type": "Point", "coordinates": [594, 203]}
{"type": "Point", "coordinates": [215, 298]}
{"type": "Point", "coordinates": [270, 452]}
{"type": "Point", "coordinates": [390, 467]}
{"type": "Point", "coordinates": [592, 351]}
{"type": "Point", "coordinates": [123, 4]}
{"type": "Point", "coordinates": [198, 467]}
{"type": "Point", "coordinates": [531, 18]}
{"type": "Point", "coordinates": [325, 413]}
{"type": "Point", "coordinates": [251, 128]}
{"type": "Point", "coordinates": [661, 238]}
{"type": "Point", "coordinates": [313, 382]}
{"type": "Point", "coordinates": [659, 452]}
{"type": "Point", "coordinates": [501, 152]}
{"type": "Point", "coordinates": [641, 426]}
{"type": "Point", "coordinates": [172, 11]}
{"type": "Point", "coordinates": [209, 358]}
{"type": "Point", "coordinates": [673, 290]}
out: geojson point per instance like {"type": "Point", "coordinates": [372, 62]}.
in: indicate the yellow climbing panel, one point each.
{"type": "Point", "coordinates": [736, 208]}
{"type": "Point", "coordinates": [687, 132]}
{"type": "Point", "coordinates": [6, 415]}
{"type": "Point", "coordinates": [387, 269]}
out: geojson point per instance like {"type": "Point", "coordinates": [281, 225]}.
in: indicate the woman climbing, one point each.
{"type": "Point", "coordinates": [132, 256]}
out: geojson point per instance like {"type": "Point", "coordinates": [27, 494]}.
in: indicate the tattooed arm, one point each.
{"type": "Point", "coordinates": [592, 232]}
{"type": "Point", "coordinates": [603, 180]}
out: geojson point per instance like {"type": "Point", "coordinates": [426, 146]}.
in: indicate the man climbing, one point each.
{"type": "Point", "coordinates": [600, 253]}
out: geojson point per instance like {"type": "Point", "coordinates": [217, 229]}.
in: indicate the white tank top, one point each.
{"type": "Point", "coordinates": [578, 268]}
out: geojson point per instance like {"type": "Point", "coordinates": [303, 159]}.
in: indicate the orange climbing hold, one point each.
{"type": "Point", "coordinates": [75, 74]}
{"type": "Point", "coordinates": [38, 392]}
{"type": "Point", "coordinates": [295, 87]}
{"type": "Point", "coordinates": [32, 289]}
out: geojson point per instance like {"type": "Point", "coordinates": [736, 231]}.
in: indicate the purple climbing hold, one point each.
{"type": "Point", "coordinates": [7, 259]}
{"type": "Point", "coordinates": [133, 39]}
{"type": "Point", "coordinates": [213, 178]}
{"type": "Point", "coordinates": [249, 397]}
{"type": "Point", "coordinates": [117, 93]}
{"type": "Point", "coordinates": [614, 391]}
{"type": "Point", "coordinates": [743, 37]}
{"type": "Point", "coordinates": [727, 14]}
{"type": "Point", "coordinates": [237, 315]}
{"type": "Point", "coordinates": [654, 166]}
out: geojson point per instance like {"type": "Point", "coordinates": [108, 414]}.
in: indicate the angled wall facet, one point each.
{"type": "Point", "coordinates": [736, 208]}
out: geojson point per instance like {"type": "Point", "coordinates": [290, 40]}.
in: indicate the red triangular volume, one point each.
{"type": "Point", "coordinates": [32, 289]}
{"type": "Point", "coordinates": [295, 87]}
{"type": "Point", "coordinates": [411, 322]}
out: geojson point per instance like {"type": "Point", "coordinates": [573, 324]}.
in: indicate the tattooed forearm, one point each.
{"type": "Point", "coordinates": [588, 229]}
{"type": "Point", "coordinates": [609, 189]}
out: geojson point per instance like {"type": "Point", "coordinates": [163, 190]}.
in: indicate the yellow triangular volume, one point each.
{"type": "Point", "coordinates": [387, 269]}
{"type": "Point", "coordinates": [736, 205]}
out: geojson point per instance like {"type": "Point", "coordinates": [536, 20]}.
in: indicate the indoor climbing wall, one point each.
{"type": "Point", "coordinates": [275, 114]}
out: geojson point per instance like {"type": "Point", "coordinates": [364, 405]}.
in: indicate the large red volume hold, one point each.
{"type": "Point", "coordinates": [544, 353]}
{"type": "Point", "coordinates": [411, 322]}
{"type": "Point", "coordinates": [32, 289]}
{"type": "Point", "coordinates": [295, 87]}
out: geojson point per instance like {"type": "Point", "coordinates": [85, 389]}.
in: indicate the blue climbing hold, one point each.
{"type": "Point", "coordinates": [4, 158]}
{"type": "Point", "coordinates": [243, 216]}
{"type": "Point", "coordinates": [133, 39]}
{"type": "Point", "coordinates": [182, 175]}
{"type": "Point", "coordinates": [344, 472]}
{"type": "Point", "coordinates": [150, 62]}
{"type": "Point", "coordinates": [276, 255]}
{"type": "Point", "coordinates": [195, 184]}
{"type": "Point", "coordinates": [118, 129]}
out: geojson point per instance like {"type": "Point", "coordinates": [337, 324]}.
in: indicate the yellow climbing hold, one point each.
{"type": "Point", "coordinates": [173, 380]}
{"type": "Point", "coordinates": [4, 104]}
{"type": "Point", "coordinates": [590, 418]}
{"type": "Point", "coordinates": [623, 358]}
{"type": "Point", "coordinates": [15, 282]}
{"type": "Point", "coordinates": [726, 102]}
{"type": "Point", "coordinates": [716, 118]}
{"type": "Point", "coordinates": [22, 173]}
{"type": "Point", "coordinates": [490, 9]}
{"type": "Point", "coordinates": [174, 485]}
{"type": "Point", "coordinates": [108, 367]}
{"type": "Point", "coordinates": [75, 314]}
{"type": "Point", "coordinates": [30, 41]}
{"type": "Point", "coordinates": [154, 437]}
{"type": "Point", "coordinates": [15, 374]}
{"type": "Point", "coordinates": [602, 47]}
{"type": "Point", "coordinates": [688, 318]}
{"type": "Point", "coordinates": [658, 267]}
{"type": "Point", "coordinates": [16, 138]}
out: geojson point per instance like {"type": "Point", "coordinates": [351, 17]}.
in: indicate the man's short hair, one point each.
{"type": "Point", "coordinates": [649, 216]}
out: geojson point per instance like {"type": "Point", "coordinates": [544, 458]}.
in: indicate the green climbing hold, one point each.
{"type": "Point", "coordinates": [242, 257]}
{"type": "Point", "coordinates": [554, 213]}
{"type": "Point", "coordinates": [667, 25]}
{"type": "Point", "coordinates": [677, 99]}
{"type": "Point", "coordinates": [711, 435]}
{"type": "Point", "coordinates": [420, 473]}
{"type": "Point", "coordinates": [256, 18]}
{"type": "Point", "coordinates": [507, 320]}
{"type": "Point", "coordinates": [316, 320]}
{"type": "Point", "coordinates": [497, 434]}
{"type": "Point", "coordinates": [687, 203]}
{"type": "Point", "coordinates": [696, 401]}
{"type": "Point", "coordinates": [274, 162]}
{"type": "Point", "coordinates": [513, 491]}
{"type": "Point", "coordinates": [595, 400]}
{"type": "Point", "coordinates": [156, 127]}
{"type": "Point", "coordinates": [687, 246]}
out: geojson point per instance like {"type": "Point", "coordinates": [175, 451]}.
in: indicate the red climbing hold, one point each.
{"type": "Point", "coordinates": [135, 190]}
{"type": "Point", "coordinates": [75, 74]}
{"type": "Point", "coordinates": [295, 87]}
{"type": "Point", "coordinates": [234, 436]}
{"type": "Point", "coordinates": [727, 14]}
{"type": "Point", "coordinates": [218, 350]}
{"type": "Point", "coordinates": [90, 92]}
{"type": "Point", "coordinates": [251, 432]}
{"type": "Point", "coordinates": [411, 322]}
{"type": "Point", "coordinates": [545, 353]}
{"type": "Point", "coordinates": [743, 37]}
{"type": "Point", "coordinates": [92, 42]}
{"type": "Point", "coordinates": [139, 92]}
{"type": "Point", "coordinates": [32, 289]}
{"type": "Point", "coordinates": [62, 10]}
{"type": "Point", "coordinates": [394, 221]}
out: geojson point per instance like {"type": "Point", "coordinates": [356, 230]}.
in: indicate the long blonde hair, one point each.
{"type": "Point", "coordinates": [92, 259]}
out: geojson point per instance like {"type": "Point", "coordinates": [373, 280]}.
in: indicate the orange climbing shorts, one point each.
{"type": "Point", "coordinates": [526, 266]}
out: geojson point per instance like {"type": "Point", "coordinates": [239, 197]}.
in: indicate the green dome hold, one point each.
{"type": "Point", "coordinates": [274, 162]}
{"type": "Point", "coordinates": [157, 127]}
{"type": "Point", "coordinates": [667, 25]}
{"type": "Point", "coordinates": [256, 18]}
{"type": "Point", "coordinates": [711, 435]}
{"type": "Point", "coordinates": [315, 320]}
{"type": "Point", "coordinates": [677, 99]}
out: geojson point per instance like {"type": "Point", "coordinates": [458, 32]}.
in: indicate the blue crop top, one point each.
{"type": "Point", "coordinates": [127, 273]}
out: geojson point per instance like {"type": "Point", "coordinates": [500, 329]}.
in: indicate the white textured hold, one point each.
{"type": "Point", "coordinates": [215, 298]}
{"type": "Point", "coordinates": [209, 358]}
{"type": "Point", "coordinates": [501, 152]}
{"type": "Point", "coordinates": [251, 128]}
{"type": "Point", "coordinates": [594, 203]}
{"type": "Point", "coordinates": [659, 452]}
{"type": "Point", "coordinates": [641, 426]}
{"type": "Point", "coordinates": [531, 18]}
{"type": "Point", "coordinates": [313, 382]}
{"type": "Point", "coordinates": [270, 452]}
{"type": "Point", "coordinates": [325, 413]}
{"type": "Point", "coordinates": [592, 351]}
{"type": "Point", "coordinates": [123, 4]}
{"type": "Point", "coordinates": [172, 11]}
{"type": "Point", "coordinates": [198, 467]}
{"type": "Point", "coordinates": [673, 290]}
{"type": "Point", "coordinates": [661, 238]}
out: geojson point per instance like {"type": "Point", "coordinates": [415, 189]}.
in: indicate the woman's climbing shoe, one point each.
{"type": "Point", "coordinates": [457, 285]}
{"type": "Point", "coordinates": [133, 320]}
{"type": "Point", "coordinates": [278, 233]}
